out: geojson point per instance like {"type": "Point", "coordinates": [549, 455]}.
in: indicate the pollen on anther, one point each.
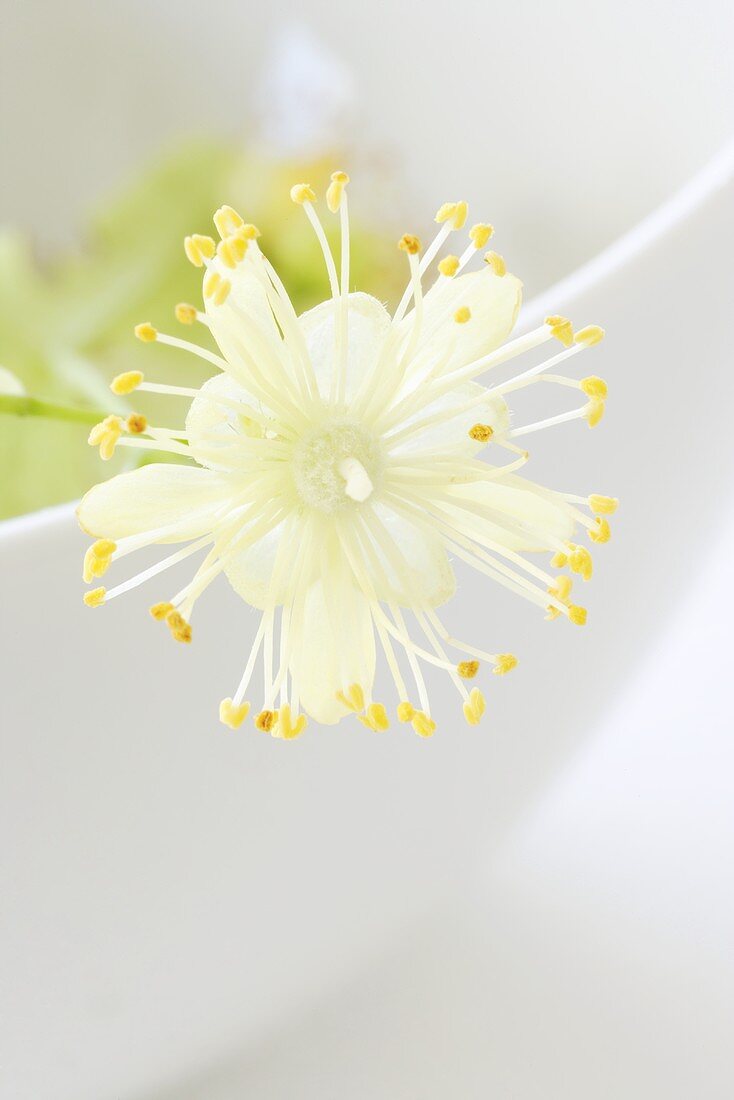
{"type": "Point", "coordinates": [496, 262]}
{"type": "Point", "coordinates": [198, 248]}
{"type": "Point", "coordinates": [603, 506]}
{"type": "Point", "coordinates": [302, 192]}
{"type": "Point", "coordinates": [594, 411]}
{"type": "Point", "coordinates": [505, 663]}
{"type": "Point", "coordinates": [577, 615]}
{"type": "Point", "coordinates": [480, 234]}
{"type": "Point", "coordinates": [265, 720]}
{"type": "Point", "coordinates": [594, 387]}
{"type": "Point", "coordinates": [232, 715]}
{"type": "Point", "coordinates": [423, 725]}
{"type": "Point", "coordinates": [136, 424]}
{"type": "Point", "coordinates": [467, 669]}
{"type": "Point", "coordinates": [406, 712]}
{"type": "Point", "coordinates": [146, 332]}
{"type": "Point", "coordinates": [454, 212]}
{"type": "Point", "coordinates": [227, 221]}
{"type": "Point", "coordinates": [592, 334]}
{"type": "Point", "coordinates": [462, 315]}
{"type": "Point", "coordinates": [448, 266]}
{"type": "Point", "coordinates": [410, 244]}
{"type": "Point", "coordinates": [186, 314]}
{"type": "Point", "coordinates": [160, 610]}
{"type": "Point", "coordinates": [124, 384]}
{"type": "Point", "coordinates": [482, 433]}
{"type": "Point", "coordinates": [95, 598]}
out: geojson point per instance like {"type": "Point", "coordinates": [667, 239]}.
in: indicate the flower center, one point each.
{"type": "Point", "coordinates": [337, 465]}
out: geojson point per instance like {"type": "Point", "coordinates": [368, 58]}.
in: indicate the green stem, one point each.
{"type": "Point", "coordinates": [14, 405]}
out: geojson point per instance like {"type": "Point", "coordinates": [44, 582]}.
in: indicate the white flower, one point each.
{"type": "Point", "coordinates": [337, 467]}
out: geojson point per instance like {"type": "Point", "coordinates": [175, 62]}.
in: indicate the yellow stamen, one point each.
{"type": "Point", "coordinates": [125, 383]}
{"type": "Point", "coordinates": [559, 559]}
{"type": "Point", "coordinates": [579, 560]}
{"type": "Point", "coordinates": [480, 234]}
{"type": "Point", "coordinates": [505, 663]}
{"type": "Point", "coordinates": [198, 248]}
{"type": "Point", "coordinates": [594, 387]}
{"type": "Point", "coordinates": [353, 699]}
{"type": "Point", "coordinates": [496, 262]}
{"type": "Point", "coordinates": [265, 720]}
{"type": "Point", "coordinates": [231, 715]}
{"type": "Point", "coordinates": [335, 190]}
{"type": "Point", "coordinates": [227, 221]}
{"type": "Point", "coordinates": [482, 433]}
{"type": "Point", "coordinates": [406, 712]}
{"type": "Point", "coordinates": [561, 328]}
{"type": "Point", "coordinates": [231, 251]}
{"type": "Point", "coordinates": [105, 436]}
{"type": "Point", "coordinates": [448, 266]}
{"type": "Point", "coordinates": [594, 411]}
{"type": "Point", "coordinates": [562, 588]}
{"type": "Point", "coordinates": [376, 718]}
{"type": "Point", "coordinates": [136, 424]}
{"type": "Point", "coordinates": [423, 725]}
{"type": "Point", "coordinates": [159, 611]}
{"type": "Point", "coordinates": [285, 727]}
{"type": "Point", "coordinates": [474, 708]}
{"type": "Point", "coordinates": [603, 506]}
{"type": "Point", "coordinates": [467, 669]}
{"type": "Point", "coordinates": [462, 315]}
{"type": "Point", "coordinates": [577, 615]}
{"type": "Point", "coordinates": [603, 531]}
{"type": "Point", "coordinates": [97, 559]}
{"type": "Point", "coordinates": [185, 313]}
{"type": "Point", "coordinates": [409, 243]}
{"type": "Point", "coordinates": [455, 212]}
{"type": "Point", "coordinates": [249, 232]}
{"type": "Point", "coordinates": [147, 333]}
{"type": "Point", "coordinates": [95, 598]}
{"type": "Point", "coordinates": [180, 629]}
{"type": "Point", "coordinates": [592, 334]}
{"type": "Point", "coordinates": [302, 192]}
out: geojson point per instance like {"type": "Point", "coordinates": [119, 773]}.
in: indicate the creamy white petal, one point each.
{"type": "Point", "coordinates": [335, 651]}
{"type": "Point", "coordinates": [417, 573]}
{"type": "Point", "coordinates": [519, 518]}
{"type": "Point", "coordinates": [368, 326]}
{"type": "Point", "coordinates": [451, 431]}
{"type": "Point", "coordinates": [156, 496]}
{"type": "Point", "coordinates": [494, 302]}
{"type": "Point", "coordinates": [211, 425]}
{"type": "Point", "coordinates": [250, 572]}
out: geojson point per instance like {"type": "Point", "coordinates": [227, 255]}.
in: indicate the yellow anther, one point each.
{"type": "Point", "coordinates": [97, 559]}
{"type": "Point", "coordinates": [335, 190]}
{"type": "Point", "coordinates": [409, 243]}
{"type": "Point", "coordinates": [603, 506]}
{"type": "Point", "coordinates": [95, 598]}
{"type": "Point", "coordinates": [302, 192]}
{"type": "Point", "coordinates": [553, 612]}
{"type": "Point", "coordinates": [212, 279]}
{"type": "Point", "coordinates": [147, 333]}
{"type": "Point", "coordinates": [594, 387]}
{"type": "Point", "coordinates": [249, 231]}
{"type": "Point", "coordinates": [562, 588]}
{"type": "Point", "coordinates": [592, 334]}
{"type": "Point", "coordinates": [285, 727]}
{"type": "Point", "coordinates": [594, 411]}
{"type": "Point", "coordinates": [136, 424]}
{"type": "Point", "coordinates": [376, 718]}
{"type": "Point", "coordinates": [186, 314]}
{"type": "Point", "coordinates": [462, 315]}
{"type": "Point", "coordinates": [198, 248]}
{"type": "Point", "coordinates": [159, 611]}
{"type": "Point", "coordinates": [482, 433]}
{"type": "Point", "coordinates": [180, 629]}
{"type": "Point", "coordinates": [222, 292]}
{"type": "Point", "coordinates": [406, 712]}
{"type": "Point", "coordinates": [231, 251]}
{"type": "Point", "coordinates": [474, 707]}
{"type": "Point", "coordinates": [231, 715]}
{"type": "Point", "coordinates": [125, 383]}
{"type": "Point", "coordinates": [602, 532]}
{"type": "Point", "coordinates": [561, 328]}
{"type": "Point", "coordinates": [353, 698]}
{"type": "Point", "coordinates": [481, 233]}
{"type": "Point", "coordinates": [455, 212]}
{"type": "Point", "coordinates": [505, 663]}
{"type": "Point", "coordinates": [448, 266]}
{"type": "Point", "coordinates": [579, 560]}
{"type": "Point", "coordinates": [227, 221]}
{"type": "Point", "coordinates": [105, 436]}
{"type": "Point", "coordinates": [265, 720]}
{"type": "Point", "coordinates": [559, 559]}
{"type": "Point", "coordinates": [423, 725]}
{"type": "Point", "coordinates": [577, 615]}
{"type": "Point", "coordinates": [496, 262]}
{"type": "Point", "coordinates": [467, 669]}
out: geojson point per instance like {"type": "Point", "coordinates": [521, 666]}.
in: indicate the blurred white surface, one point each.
{"type": "Point", "coordinates": [561, 123]}
{"type": "Point", "coordinates": [540, 908]}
